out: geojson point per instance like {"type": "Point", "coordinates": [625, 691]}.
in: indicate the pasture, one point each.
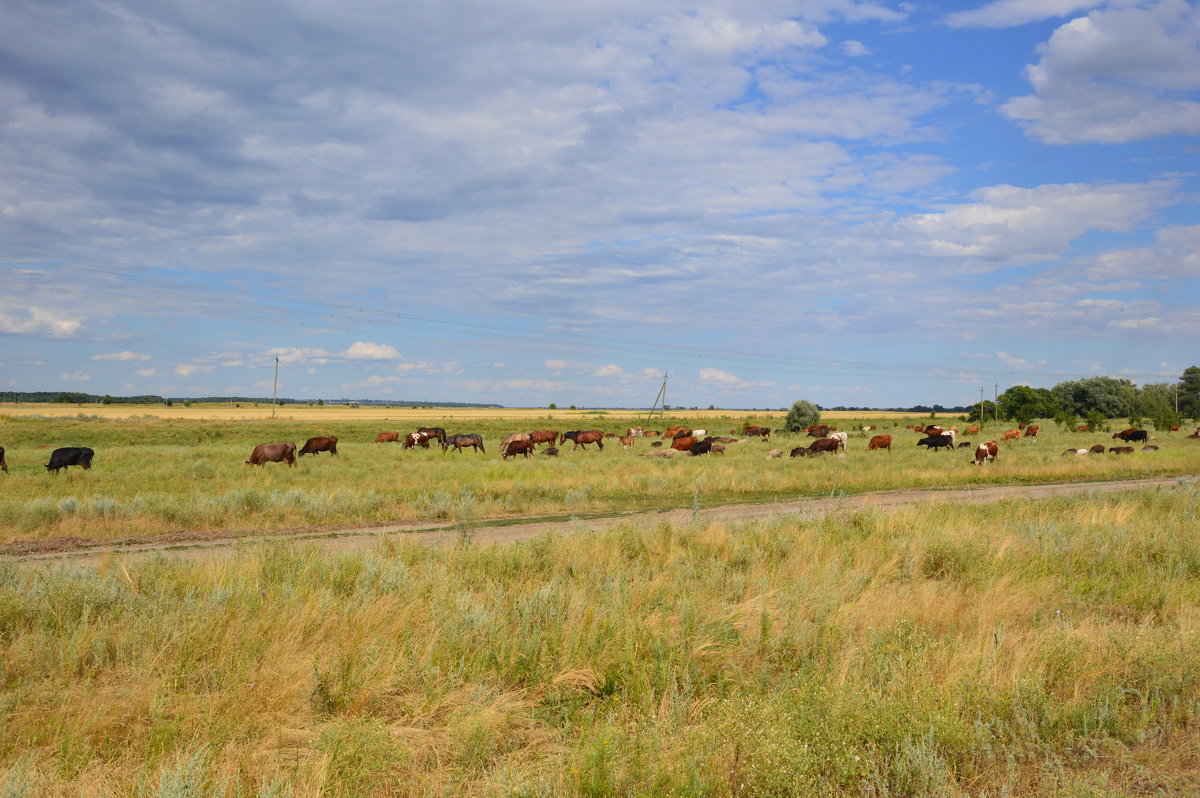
{"type": "Point", "coordinates": [1038, 648]}
{"type": "Point", "coordinates": [153, 475]}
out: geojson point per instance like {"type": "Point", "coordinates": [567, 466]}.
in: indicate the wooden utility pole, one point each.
{"type": "Point", "coordinates": [275, 390]}
{"type": "Point", "coordinates": [980, 407]}
{"type": "Point", "coordinates": [996, 402]}
{"type": "Point", "coordinates": [662, 394]}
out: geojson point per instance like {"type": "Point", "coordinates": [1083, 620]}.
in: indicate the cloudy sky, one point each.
{"type": "Point", "coordinates": [861, 203]}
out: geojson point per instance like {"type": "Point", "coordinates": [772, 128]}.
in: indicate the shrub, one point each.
{"type": "Point", "coordinates": [803, 413]}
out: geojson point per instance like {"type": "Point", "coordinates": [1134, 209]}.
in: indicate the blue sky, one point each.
{"type": "Point", "coordinates": [859, 203]}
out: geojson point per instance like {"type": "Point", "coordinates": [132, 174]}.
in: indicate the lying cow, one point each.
{"type": "Point", "coordinates": [1120, 449]}
{"type": "Point", "coordinates": [69, 456]}
{"type": "Point", "coordinates": [315, 445]}
{"type": "Point", "coordinates": [701, 447]}
{"type": "Point", "coordinates": [273, 453]}
{"type": "Point", "coordinates": [986, 452]}
{"type": "Point", "coordinates": [3, 462]}
{"type": "Point", "coordinates": [1076, 451]}
{"type": "Point", "coordinates": [1097, 449]}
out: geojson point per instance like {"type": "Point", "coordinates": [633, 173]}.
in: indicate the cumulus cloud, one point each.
{"type": "Point", "coordinates": [1008, 13]}
{"type": "Point", "coordinates": [714, 376]}
{"type": "Point", "coordinates": [1017, 362]}
{"type": "Point", "coordinates": [359, 350]}
{"type": "Point", "coordinates": [855, 48]}
{"type": "Point", "coordinates": [122, 357]}
{"type": "Point", "coordinates": [189, 369]}
{"type": "Point", "coordinates": [38, 321]}
{"type": "Point", "coordinates": [1114, 76]}
{"type": "Point", "coordinates": [77, 376]}
{"type": "Point", "coordinates": [365, 350]}
{"type": "Point", "coordinates": [609, 370]}
{"type": "Point", "coordinates": [146, 372]}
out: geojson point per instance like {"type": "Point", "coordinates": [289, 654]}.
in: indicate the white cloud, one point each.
{"type": "Point", "coordinates": [714, 376]}
{"type": "Point", "coordinates": [365, 350]}
{"type": "Point", "coordinates": [77, 376]}
{"type": "Point", "coordinates": [1016, 362]}
{"type": "Point", "coordinates": [122, 357]}
{"type": "Point", "coordinates": [188, 369]}
{"type": "Point", "coordinates": [146, 372]}
{"type": "Point", "coordinates": [610, 370]}
{"type": "Point", "coordinates": [1008, 13]}
{"type": "Point", "coordinates": [1114, 76]}
{"type": "Point", "coordinates": [855, 48]}
{"type": "Point", "coordinates": [38, 321]}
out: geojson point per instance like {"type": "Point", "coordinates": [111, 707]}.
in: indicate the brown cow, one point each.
{"type": "Point", "coordinates": [671, 432]}
{"type": "Point", "coordinates": [1121, 449]}
{"type": "Point", "coordinates": [830, 445]}
{"type": "Point", "coordinates": [971, 430]}
{"type": "Point", "coordinates": [1097, 449]}
{"type": "Point", "coordinates": [650, 433]}
{"type": "Point", "coordinates": [314, 445]}
{"type": "Point", "coordinates": [416, 439]}
{"type": "Point", "coordinates": [1132, 435]}
{"type": "Point", "coordinates": [683, 444]}
{"type": "Point", "coordinates": [880, 442]}
{"type": "Point", "coordinates": [932, 429]}
{"type": "Point", "coordinates": [718, 448]}
{"type": "Point", "coordinates": [516, 436]}
{"type": "Point", "coordinates": [515, 447]}
{"type": "Point", "coordinates": [434, 433]}
{"type": "Point", "coordinates": [1173, 428]}
{"type": "Point", "coordinates": [817, 430]}
{"type": "Point", "coordinates": [656, 444]}
{"type": "Point", "coordinates": [584, 437]}
{"type": "Point", "coordinates": [1011, 435]}
{"type": "Point", "coordinates": [273, 453]}
{"type": "Point", "coordinates": [1031, 431]}
{"type": "Point", "coordinates": [763, 432]}
{"type": "Point", "coordinates": [626, 441]}
{"type": "Point", "coordinates": [387, 437]}
{"type": "Point", "coordinates": [1082, 428]}
{"type": "Point", "coordinates": [986, 452]}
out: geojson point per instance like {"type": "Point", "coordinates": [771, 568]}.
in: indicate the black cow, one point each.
{"type": "Point", "coordinates": [3, 463]}
{"type": "Point", "coordinates": [69, 456]}
{"type": "Point", "coordinates": [702, 447]}
{"type": "Point", "coordinates": [965, 445]}
{"type": "Point", "coordinates": [935, 442]}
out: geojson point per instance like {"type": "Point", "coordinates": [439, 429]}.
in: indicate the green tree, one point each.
{"type": "Point", "coordinates": [1096, 420]}
{"type": "Point", "coordinates": [552, 406]}
{"type": "Point", "coordinates": [1024, 404]}
{"type": "Point", "coordinates": [988, 411]}
{"type": "Point", "coordinates": [1189, 393]}
{"type": "Point", "coordinates": [1156, 402]}
{"type": "Point", "coordinates": [1111, 396]}
{"type": "Point", "coordinates": [803, 413]}
{"type": "Point", "coordinates": [107, 400]}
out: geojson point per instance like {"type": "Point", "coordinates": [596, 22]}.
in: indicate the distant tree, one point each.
{"type": "Point", "coordinates": [1156, 402]}
{"type": "Point", "coordinates": [803, 413]}
{"type": "Point", "coordinates": [1096, 420]}
{"type": "Point", "coordinates": [320, 403]}
{"type": "Point", "coordinates": [1111, 396]}
{"type": "Point", "coordinates": [1189, 393]}
{"type": "Point", "coordinates": [988, 411]}
{"type": "Point", "coordinates": [573, 407]}
{"type": "Point", "coordinates": [552, 406]}
{"type": "Point", "coordinates": [106, 400]}
{"type": "Point", "coordinates": [1023, 404]}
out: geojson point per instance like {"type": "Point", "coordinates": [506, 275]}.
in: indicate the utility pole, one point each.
{"type": "Point", "coordinates": [275, 390]}
{"type": "Point", "coordinates": [662, 394]}
{"type": "Point", "coordinates": [980, 407]}
{"type": "Point", "coordinates": [996, 401]}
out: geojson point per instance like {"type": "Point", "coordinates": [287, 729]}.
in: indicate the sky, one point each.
{"type": "Point", "coordinates": [857, 203]}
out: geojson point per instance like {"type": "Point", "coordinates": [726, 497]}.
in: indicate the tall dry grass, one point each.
{"type": "Point", "coordinates": [1035, 648]}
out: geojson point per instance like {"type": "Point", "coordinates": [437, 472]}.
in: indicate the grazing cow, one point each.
{"type": "Point", "coordinates": [460, 442]}
{"type": "Point", "coordinates": [776, 453]}
{"type": "Point", "coordinates": [74, 455]}
{"type": "Point", "coordinates": [1195, 434]}
{"type": "Point", "coordinates": [549, 436]}
{"type": "Point", "coordinates": [387, 437]}
{"type": "Point", "coordinates": [519, 446]}
{"type": "Point", "coordinates": [1150, 448]}
{"type": "Point", "coordinates": [935, 442]}
{"type": "Point", "coordinates": [673, 431]}
{"type": "Point", "coordinates": [750, 429]}
{"type": "Point", "coordinates": [800, 451]}
{"type": "Point", "coordinates": [1082, 428]}
{"type": "Point", "coordinates": [964, 445]}
{"type": "Point", "coordinates": [971, 430]}
{"type": "Point", "coordinates": [683, 444]}
{"type": "Point", "coordinates": [635, 432]}
{"type": "Point", "coordinates": [986, 452]}
{"type": "Point", "coordinates": [416, 439]}
{"type": "Point", "coordinates": [551, 451]}
{"type": "Point", "coordinates": [824, 446]}
{"type": "Point", "coordinates": [1097, 449]}
{"type": "Point", "coordinates": [626, 441]}
{"type": "Point", "coordinates": [1133, 435]}
{"type": "Point", "coordinates": [3, 462]}
{"type": "Point", "coordinates": [584, 437]}
{"type": "Point", "coordinates": [270, 453]}
{"type": "Point", "coordinates": [1031, 431]}
{"type": "Point", "coordinates": [701, 447]}
{"type": "Point", "coordinates": [516, 436]}
{"type": "Point", "coordinates": [1121, 449]}
{"type": "Point", "coordinates": [1010, 435]}
{"type": "Point", "coordinates": [656, 444]}
{"type": "Point", "coordinates": [314, 446]}
{"type": "Point", "coordinates": [818, 430]}
{"type": "Point", "coordinates": [880, 442]}
{"type": "Point", "coordinates": [840, 437]}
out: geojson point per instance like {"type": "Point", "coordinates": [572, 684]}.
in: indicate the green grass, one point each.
{"type": "Point", "coordinates": [152, 476]}
{"type": "Point", "coordinates": [1043, 648]}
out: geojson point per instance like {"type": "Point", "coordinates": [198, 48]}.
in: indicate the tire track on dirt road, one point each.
{"type": "Point", "coordinates": [84, 552]}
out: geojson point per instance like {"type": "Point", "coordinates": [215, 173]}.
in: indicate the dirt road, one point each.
{"type": "Point", "coordinates": [83, 551]}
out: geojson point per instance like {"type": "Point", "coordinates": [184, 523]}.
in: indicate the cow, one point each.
{"type": "Point", "coordinates": [268, 453]}
{"type": "Point", "coordinates": [1150, 448]}
{"type": "Point", "coordinates": [726, 439]}
{"type": "Point", "coordinates": [652, 433]}
{"type": "Point", "coordinates": [460, 442]}
{"type": "Point", "coordinates": [799, 451]}
{"type": "Point", "coordinates": [1082, 428]}
{"type": "Point", "coordinates": [516, 447]}
{"type": "Point", "coordinates": [673, 431]}
{"type": "Point", "coordinates": [683, 444]}
{"type": "Point", "coordinates": [880, 442]}
{"type": "Point", "coordinates": [417, 439]}
{"type": "Point", "coordinates": [1097, 449]}
{"type": "Point", "coordinates": [963, 445]}
{"type": "Point", "coordinates": [626, 441]}
{"type": "Point", "coordinates": [434, 433]}
{"type": "Point", "coordinates": [932, 429]}
{"type": "Point", "coordinates": [718, 448]}
{"type": "Point", "coordinates": [1133, 435]}
{"type": "Point", "coordinates": [1121, 449]}
{"type": "Point", "coordinates": [387, 437]}
{"type": "Point", "coordinates": [540, 436]}
{"type": "Point", "coordinates": [774, 453]}
{"type": "Point", "coordinates": [699, 433]}
{"type": "Point", "coordinates": [935, 442]}
{"type": "Point", "coordinates": [3, 462]}
{"type": "Point", "coordinates": [314, 446]}
{"type": "Point", "coordinates": [1075, 451]}
{"type": "Point", "coordinates": [750, 429]}
{"type": "Point", "coordinates": [584, 437]}
{"type": "Point", "coordinates": [971, 430]}
{"type": "Point", "coordinates": [551, 451]}
{"type": "Point", "coordinates": [870, 428]}
{"type": "Point", "coordinates": [656, 444]}
{"type": "Point", "coordinates": [1010, 435]}
{"type": "Point", "coordinates": [840, 437]}
{"type": "Point", "coordinates": [1031, 431]}
{"type": "Point", "coordinates": [1173, 428]}
{"type": "Point", "coordinates": [635, 432]}
{"type": "Point", "coordinates": [825, 445]}
{"type": "Point", "coordinates": [701, 447]}
{"type": "Point", "coordinates": [817, 430]}
{"type": "Point", "coordinates": [1195, 434]}
{"type": "Point", "coordinates": [986, 452]}
{"type": "Point", "coordinates": [69, 456]}
{"type": "Point", "coordinates": [516, 436]}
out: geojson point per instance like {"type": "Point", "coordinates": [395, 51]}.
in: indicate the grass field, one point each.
{"type": "Point", "coordinates": [155, 475]}
{"type": "Point", "coordinates": [1042, 648]}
